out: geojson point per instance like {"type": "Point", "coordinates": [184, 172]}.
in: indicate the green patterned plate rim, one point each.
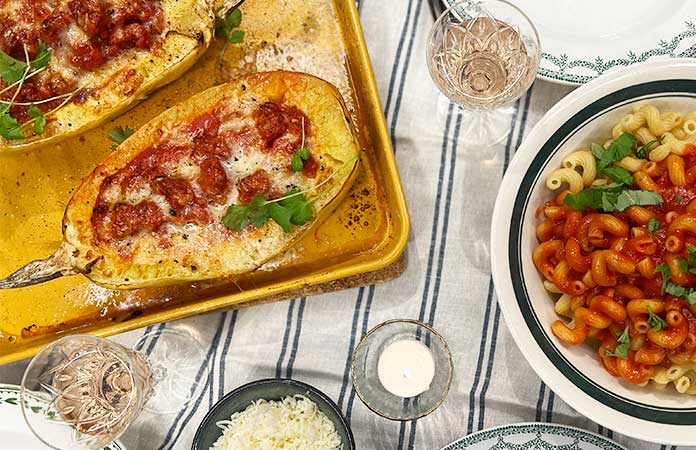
{"type": "Point", "coordinates": [580, 41]}
{"type": "Point", "coordinates": [527, 436]}
{"type": "Point", "coordinates": [9, 395]}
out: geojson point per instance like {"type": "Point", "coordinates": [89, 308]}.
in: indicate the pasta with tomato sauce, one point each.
{"type": "Point", "coordinates": [617, 247]}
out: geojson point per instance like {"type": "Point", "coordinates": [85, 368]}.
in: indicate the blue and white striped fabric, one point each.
{"type": "Point", "coordinates": [451, 184]}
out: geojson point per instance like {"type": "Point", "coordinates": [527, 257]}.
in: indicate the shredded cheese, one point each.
{"type": "Point", "coordinates": [294, 423]}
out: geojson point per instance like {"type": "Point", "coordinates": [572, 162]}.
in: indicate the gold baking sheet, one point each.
{"type": "Point", "coordinates": [368, 231]}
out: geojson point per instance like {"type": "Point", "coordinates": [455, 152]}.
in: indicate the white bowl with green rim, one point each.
{"type": "Point", "coordinates": [575, 373]}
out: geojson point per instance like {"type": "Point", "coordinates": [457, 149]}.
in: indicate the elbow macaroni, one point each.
{"type": "Point", "coordinates": [591, 261]}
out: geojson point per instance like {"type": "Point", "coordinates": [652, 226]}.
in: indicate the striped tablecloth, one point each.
{"type": "Point", "coordinates": [450, 184]}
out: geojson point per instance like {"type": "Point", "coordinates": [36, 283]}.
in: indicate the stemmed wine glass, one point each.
{"type": "Point", "coordinates": [91, 389]}
{"type": "Point", "coordinates": [483, 55]}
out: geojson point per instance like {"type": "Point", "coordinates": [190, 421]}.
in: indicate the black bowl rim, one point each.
{"type": "Point", "coordinates": [269, 381]}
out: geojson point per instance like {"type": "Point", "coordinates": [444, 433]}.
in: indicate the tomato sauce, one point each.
{"type": "Point", "coordinates": [106, 30]}
{"type": "Point", "coordinates": [154, 170]}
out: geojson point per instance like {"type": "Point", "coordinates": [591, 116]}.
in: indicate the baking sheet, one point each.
{"type": "Point", "coordinates": [368, 231]}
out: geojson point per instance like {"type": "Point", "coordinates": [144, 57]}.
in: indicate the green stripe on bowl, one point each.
{"type": "Point", "coordinates": [654, 89]}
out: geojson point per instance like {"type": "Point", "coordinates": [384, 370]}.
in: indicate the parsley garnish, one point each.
{"type": "Point", "coordinates": [13, 70]}
{"type": "Point", "coordinates": [663, 269]}
{"type": "Point", "coordinates": [653, 225]}
{"type": "Point", "coordinates": [678, 198]}
{"type": "Point", "coordinates": [297, 162]}
{"type": "Point", "coordinates": [9, 127]}
{"type": "Point", "coordinates": [621, 350]}
{"type": "Point", "coordinates": [683, 265]}
{"type": "Point", "coordinates": [678, 291]}
{"type": "Point", "coordinates": [291, 209]}
{"type": "Point", "coordinates": [226, 25]}
{"type": "Point", "coordinates": [301, 155]}
{"type": "Point", "coordinates": [656, 322]}
{"type": "Point", "coordinates": [642, 152]}
{"type": "Point", "coordinates": [118, 135]}
{"type": "Point", "coordinates": [39, 119]}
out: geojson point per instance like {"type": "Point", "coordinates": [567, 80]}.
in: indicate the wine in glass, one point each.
{"type": "Point", "coordinates": [483, 55]}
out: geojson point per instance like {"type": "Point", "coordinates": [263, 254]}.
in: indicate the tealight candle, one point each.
{"type": "Point", "coordinates": [406, 368]}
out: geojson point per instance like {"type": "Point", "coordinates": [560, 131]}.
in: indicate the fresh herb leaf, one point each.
{"type": "Point", "coordinates": [297, 162]}
{"type": "Point", "coordinates": [629, 198]}
{"type": "Point", "coordinates": [656, 322]}
{"type": "Point", "coordinates": [39, 119]}
{"type": "Point", "coordinates": [624, 344]}
{"type": "Point", "coordinates": [118, 135]}
{"type": "Point", "coordinates": [9, 127]}
{"type": "Point", "coordinates": [691, 258]}
{"type": "Point", "coordinates": [676, 290]}
{"type": "Point", "coordinates": [653, 225]}
{"type": "Point", "coordinates": [642, 152]}
{"type": "Point", "coordinates": [226, 25]}
{"type": "Point", "coordinates": [622, 145]}
{"type": "Point", "coordinates": [678, 198]}
{"type": "Point", "coordinates": [613, 197]}
{"type": "Point", "coordinates": [281, 216]}
{"type": "Point", "coordinates": [619, 174]}
{"type": "Point", "coordinates": [616, 151]}
{"type": "Point", "coordinates": [236, 37]}
{"type": "Point", "coordinates": [683, 265]}
{"type": "Point", "coordinates": [291, 209]}
{"type": "Point", "coordinates": [663, 269]}
{"type": "Point", "coordinates": [43, 56]}
{"type": "Point", "coordinates": [254, 212]}
{"type": "Point", "coordinates": [299, 206]}
{"type": "Point", "coordinates": [592, 197]}
{"type": "Point", "coordinates": [12, 70]}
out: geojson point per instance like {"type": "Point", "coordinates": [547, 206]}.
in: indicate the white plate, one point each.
{"type": "Point", "coordinates": [574, 373]}
{"type": "Point", "coordinates": [14, 432]}
{"type": "Point", "coordinates": [583, 39]}
{"type": "Point", "coordinates": [545, 436]}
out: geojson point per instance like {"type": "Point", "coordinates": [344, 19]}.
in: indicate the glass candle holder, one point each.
{"type": "Point", "coordinates": [402, 369]}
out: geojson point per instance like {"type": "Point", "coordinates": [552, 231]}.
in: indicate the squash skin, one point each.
{"type": "Point", "coordinates": [129, 78]}
{"type": "Point", "coordinates": [333, 138]}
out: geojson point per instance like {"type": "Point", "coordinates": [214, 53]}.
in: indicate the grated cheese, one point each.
{"type": "Point", "coordinates": [294, 423]}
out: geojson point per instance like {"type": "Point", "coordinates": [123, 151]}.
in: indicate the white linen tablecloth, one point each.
{"type": "Point", "coordinates": [450, 185]}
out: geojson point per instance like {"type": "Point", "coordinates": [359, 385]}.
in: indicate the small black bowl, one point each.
{"type": "Point", "coordinates": [269, 389]}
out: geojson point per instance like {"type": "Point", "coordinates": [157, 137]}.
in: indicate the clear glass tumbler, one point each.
{"type": "Point", "coordinates": [89, 390]}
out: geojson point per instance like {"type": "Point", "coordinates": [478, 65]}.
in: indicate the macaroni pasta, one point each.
{"type": "Point", "coordinates": [624, 277]}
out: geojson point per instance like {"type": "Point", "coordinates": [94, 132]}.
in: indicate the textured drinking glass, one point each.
{"type": "Point", "coordinates": [483, 55]}
{"type": "Point", "coordinates": [365, 376]}
{"type": "Point", "coordinates": [91, 389]}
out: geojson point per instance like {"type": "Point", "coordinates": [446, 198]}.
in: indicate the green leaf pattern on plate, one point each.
{"type": "Point", "coordinates": [563, 66]}
{"type": "Point", "coordinates": [499, 439]}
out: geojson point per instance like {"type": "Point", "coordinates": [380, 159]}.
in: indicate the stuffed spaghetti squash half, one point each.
{"type": "Point", "coordinates": [215, 186]}
{"type": "Point", "coordinates": [69, 65]}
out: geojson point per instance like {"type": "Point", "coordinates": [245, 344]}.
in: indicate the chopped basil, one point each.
{"type": "Point", "coordinates": [624, 344]}
{"type": "Point", "coordinates": [656, 322]}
